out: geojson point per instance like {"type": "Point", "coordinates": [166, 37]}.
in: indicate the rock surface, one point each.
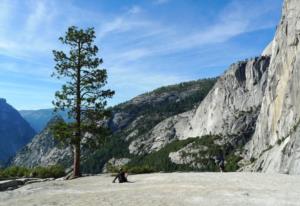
{"type": "Point", "coordinates": [213, 189]}
{"type": "Point", "coordinates": [16, 183]}
{"type": "Point", "coordinates": [10, 184]}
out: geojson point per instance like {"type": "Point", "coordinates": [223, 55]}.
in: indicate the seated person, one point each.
{"type": "Point", "coordinates": [121, 176]}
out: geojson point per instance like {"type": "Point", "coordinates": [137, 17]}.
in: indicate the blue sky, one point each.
{"type": "Point", "coordinates": [145, 44]}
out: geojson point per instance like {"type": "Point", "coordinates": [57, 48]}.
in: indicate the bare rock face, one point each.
{"type": "Point", "coordinates": [43, 150]}
{"type": "Point", "coordinates": [238, 93]}
{"type": "Point", "coordinates": [162, 134]}
{"type": "Point", "coordinates": [230, 109]}
{"type": "Point", "coordinates": [276, 140]}
{"type": "Point", "coordinates": [188, 156]}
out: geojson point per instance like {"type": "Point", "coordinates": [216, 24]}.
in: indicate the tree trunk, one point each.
{"type": "Point", "coordinates": [76, 165]}
{"type": "Point", "coordinates": [76, 169]}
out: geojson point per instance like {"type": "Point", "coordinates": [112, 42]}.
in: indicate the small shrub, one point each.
{"type": "Point", "coordinates": [15, 171]}
{"type": "Point", "coordinates": [143, 169]}
{"type": "Point", "coordinates": [112, 169]}
{"type": "Point", "coordinates": [232, 163]}
{"type": "Point", "coordinates": [57, 171]}
{"type": "Point", "coordinates": [252, 159]}
{"type": "Point", "coordinates": [40, 172]}
{"type": "Point", "coordinates": [54, 171]}
{"type": "Point", "coordinates": [279, 141]}
{"type": "Point", "coordinates": [296, 125]}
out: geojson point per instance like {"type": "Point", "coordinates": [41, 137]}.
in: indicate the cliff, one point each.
{"type": "Point", "coordinates": [275, 143]}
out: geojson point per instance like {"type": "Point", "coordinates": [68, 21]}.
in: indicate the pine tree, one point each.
{"type": "Point", "coordinates": [83, 94]}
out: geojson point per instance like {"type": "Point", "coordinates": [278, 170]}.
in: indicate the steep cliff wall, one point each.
{"type": "Point", "coordinates": [276, 140]}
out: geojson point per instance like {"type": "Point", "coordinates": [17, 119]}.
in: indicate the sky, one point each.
{"type": "Point", "coordinates": [145, 44]}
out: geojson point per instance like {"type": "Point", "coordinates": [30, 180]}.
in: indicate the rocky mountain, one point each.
{"type": "Point", "coordinates": [43, 150]}
{"type": "Point", "coordinates": [38, 119]}
{"type": "Point", "coordinates": [15, 132]}
{"type": "Point", "coordinates": [230, 109]}
{"type": "Point", "coordinates": [130, 120]}
{"type": "Point", "coordinates": [224, 122]}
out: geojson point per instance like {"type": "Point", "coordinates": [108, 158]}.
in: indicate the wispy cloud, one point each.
{"type": "Point", "coordinates": [168, 39]}
{"type": "Point", "coordinates": [37, 36]}
{"type": "Point", "coordinates": [32, 35]}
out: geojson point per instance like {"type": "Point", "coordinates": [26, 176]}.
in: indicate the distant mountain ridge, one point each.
{"type": "Point", "coordinates": [38, 119]}
{"type": "Point", "coordinates": [15, 131]}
